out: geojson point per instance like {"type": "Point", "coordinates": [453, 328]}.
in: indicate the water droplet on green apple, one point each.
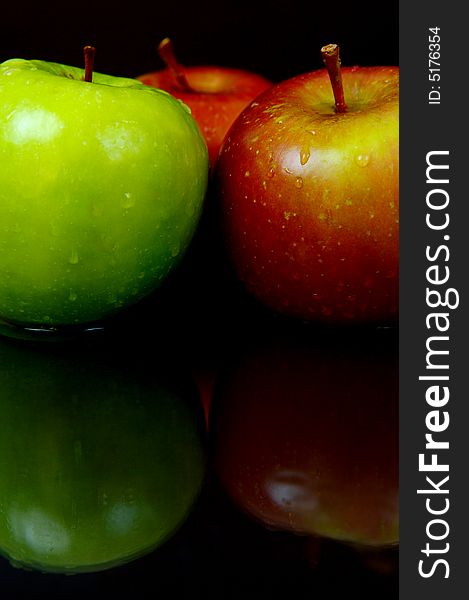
{"type": "Point", "coordinates": [175, 250]}
{"type": "Point", "coordinates": [128, 200]}
{"type": "Point", "coordinates": [73, 258]}
{"type": "Point", "coordinates": [362, 160]}
{"type": "Point", "coordinates": [72, 296]}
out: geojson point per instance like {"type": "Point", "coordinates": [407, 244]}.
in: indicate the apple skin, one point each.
{"type": "Point", "coordinates": [309, 197]}
{"type": "Point", "coordinates": [101, 459]}
{"type": "Point", "coordinates": [219, 95]}
{"type": "Point", "coordinates": [304, 437]}
{"type": "Point", "coordinates": [103, 192]}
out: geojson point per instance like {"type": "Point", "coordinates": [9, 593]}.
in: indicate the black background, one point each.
{"type": "Point", "coordinates": [218, 553]}
{"type": "Point", "coordinates": [276, 40]}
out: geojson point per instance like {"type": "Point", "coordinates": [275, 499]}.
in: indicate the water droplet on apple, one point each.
{"type": "Point", "coordinates": [299, 182]}
{"type": "Point", "coordinates": [304, 155]}
{"type": "Point", "coordinates": [175, 250]}
{"type": "Point", "coordinates": [72, 296]}
{"type": "Point", "coordinates": [73, 258]}
{"type": "Point", "coordinates": [128, 200]}
{"type": "Point", "coordinates": [362, 160]}
{"type": "Point", "coordinates": [271, 172]}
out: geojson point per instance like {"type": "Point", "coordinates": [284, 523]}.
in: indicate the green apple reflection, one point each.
{"type": "Point", "coordinates": [101, 459]}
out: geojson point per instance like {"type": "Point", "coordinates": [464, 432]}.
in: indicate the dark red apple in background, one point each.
{"type": "Point", "coordinates": [215, 95]}
{"type": "Point", "coordinates": [305, 437]}
{"type": "Point", "coordinates": [309, 194]}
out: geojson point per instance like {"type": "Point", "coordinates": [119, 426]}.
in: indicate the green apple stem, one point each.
{"type": "Point", "coordinates": [89, 53]}
{"type": "Point", "coordinates": [166, 53]}
{"type": "Point", "coordinates": [331, 58]}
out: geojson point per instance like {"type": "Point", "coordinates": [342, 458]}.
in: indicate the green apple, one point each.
{"type": "Point", "coordinates": [101, 458]}
{"type": "Point", "coordinates": [101, 189]}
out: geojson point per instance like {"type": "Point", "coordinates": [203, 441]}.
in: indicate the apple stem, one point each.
{"type": "Point", "coordinates": [166, 53]}
{"type": "Point", "coordinates": [89, 53]}
{"type": "Point", "coordinates": [331, 58]}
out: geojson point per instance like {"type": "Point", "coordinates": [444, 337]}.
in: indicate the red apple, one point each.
{"type": "Point", "coordinates": [215, 95]}
{"type": "Point", "coordinates": [305, 438]}
{"type": "Point", "coordinates": [309, 194]}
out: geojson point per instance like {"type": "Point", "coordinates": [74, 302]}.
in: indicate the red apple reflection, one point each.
{"type": "Point", "coordinates": [305, 438]}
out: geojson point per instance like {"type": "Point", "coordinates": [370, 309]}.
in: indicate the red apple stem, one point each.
{"type": "Point", "coordinates": [166, 53]}
{"type": "Point", "coordinates": [330, 56]}
{"type": "Point", "coordinates": [89, 53]}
